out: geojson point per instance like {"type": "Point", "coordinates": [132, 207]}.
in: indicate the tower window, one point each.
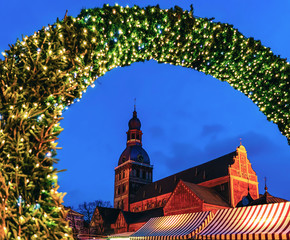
{"type": "Point", "coordinates": [144, 175]}
{"type": "Point", "coordinates": [137, 136]}
{"type": "Point", "coordinates": [124, 174]}
{"type": "Point", "coordinates": [138, 173]}
{"type": "Point", "coordinates": [133, 135]}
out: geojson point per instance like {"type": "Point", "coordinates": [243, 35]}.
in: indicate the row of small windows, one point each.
{"type": "Point", "coordinates": [121, 189]}
{"type": "Point", "coordinates": [149, 205]}
{"type": "Point", "coordinates": [142, 174]}
{"type": "Point", "coordinates": [121, 175]}
{"type": "Point", "coordinates": [136, 173]}
{"type": "Point", "coordinates": [133, 136]}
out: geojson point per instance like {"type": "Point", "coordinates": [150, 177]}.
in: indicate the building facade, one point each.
{"type": "Point", "coordinates": [224, 182]}
{"type": "Point", "coordinates": [76, 222]}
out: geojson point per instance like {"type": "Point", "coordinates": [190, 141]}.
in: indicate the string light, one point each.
{"type": "Point", "coordinates": [45, 73]}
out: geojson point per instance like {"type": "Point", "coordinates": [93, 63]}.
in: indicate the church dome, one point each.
{"type": "Point", "coordinates": [135, 153]}
{"type": "Point", "coordinates": [134, 122]}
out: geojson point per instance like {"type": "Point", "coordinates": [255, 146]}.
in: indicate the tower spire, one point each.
{"type": "Point", "coordinates": [266, 188]}
{"type": "Point", "coordinates": [135, 113]}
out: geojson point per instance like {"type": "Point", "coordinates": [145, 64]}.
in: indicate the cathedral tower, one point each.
{"type": "Point", "coordinates": [134, 169]}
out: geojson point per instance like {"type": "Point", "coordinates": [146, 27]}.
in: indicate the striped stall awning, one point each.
{"type": "Point", "coordinates": [268, 221]}
{"type": "Point", "coordinates": [182, 226]}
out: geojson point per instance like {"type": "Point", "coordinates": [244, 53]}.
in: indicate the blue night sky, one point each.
{"type": "Point", "coordinates": [187, 117]}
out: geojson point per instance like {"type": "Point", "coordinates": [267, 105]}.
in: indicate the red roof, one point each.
{"type": "Point", "coordinates": [206, 194]}
{"type": "Point", "coordinates": [207, 171]}
{"type": "Point", "coordinates": [267, 198]}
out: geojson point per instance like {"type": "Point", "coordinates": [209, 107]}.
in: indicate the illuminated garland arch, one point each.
{"type": "Point", "coordinates": [46, 72]}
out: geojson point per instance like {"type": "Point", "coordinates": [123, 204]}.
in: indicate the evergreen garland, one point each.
{"type": "Point", "coordinates": [45, 73]}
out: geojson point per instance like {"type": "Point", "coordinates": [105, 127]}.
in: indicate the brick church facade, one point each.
{"type": "Point", "coordinates": [224, 182]}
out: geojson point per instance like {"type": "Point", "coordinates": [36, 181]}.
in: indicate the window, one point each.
{"type": "Point", "coordinates": [133, 135]}
{"type": "Point", "coordinates": [124, 174]}
{"type": "Point", "coordinates": [137, 136]}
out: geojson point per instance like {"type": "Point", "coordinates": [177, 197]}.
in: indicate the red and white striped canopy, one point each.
{"type": "Point", "coordinates": [268, 221]}
{"type": "Point", "coordinates": [182, 226]}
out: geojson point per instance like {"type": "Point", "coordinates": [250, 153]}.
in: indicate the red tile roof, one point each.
{"type": "Point", "coordinates": [267, 198]}
{"type": "Point", "coordinates": [138, 217]}
{"type": "Point", "coordinates": [206, 194]}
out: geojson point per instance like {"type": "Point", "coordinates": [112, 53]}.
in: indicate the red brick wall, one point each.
{"type": "Point", "coordinates": [242, 177]}
{"type": "Point", "coordinates": [182, 201]}
{"type": "Point", "coordinates": [120, 224]}
{"type": "Point", "coordinates": [240, 190]}
{"type": "Point", "coordinates": [150, 203]}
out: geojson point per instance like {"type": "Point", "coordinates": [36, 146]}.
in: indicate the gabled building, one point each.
{"type": "Point", "coordinates": [102, 220]}
{"type": "Point", "coordinates": [217, 184]}
{"type": "Point", "coordinates": [131, 222]}
{"type": "Point", "coordinates": [189, 198]}
{"type": "Point", "coordinates": [76, 221]}
{"type": "Point", "coordinates": [231, 176]}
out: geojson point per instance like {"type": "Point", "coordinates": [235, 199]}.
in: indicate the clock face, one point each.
{"type": "Point", "coordinates": [140, 158]}
{"type": "Point", "coordinates": [245, 201]}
